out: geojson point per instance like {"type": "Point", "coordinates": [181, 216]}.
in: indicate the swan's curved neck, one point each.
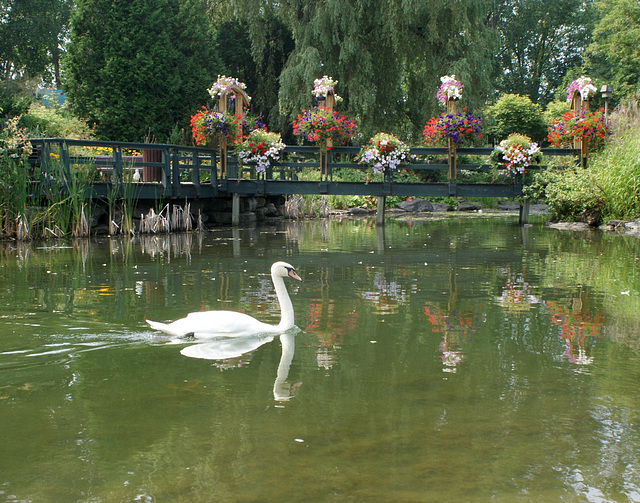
{"type": "Point", "coordinates": [286, 307]}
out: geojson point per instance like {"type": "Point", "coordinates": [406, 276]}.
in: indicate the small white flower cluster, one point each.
{"type": "Point", "coordinates": [262, 159]}
{"type": "Point", "coordinates": [223, 84]}
{"type": "Point", "coordinates": [322, 87]}
{"type": "Point", "coordinates": [380, 159]}
{"type": "Point", "coordinates": [586, 88]}
{"type": "Point", "coordinates": [449, 89]}
{"type": "Point", "coordinates": [517, 157]}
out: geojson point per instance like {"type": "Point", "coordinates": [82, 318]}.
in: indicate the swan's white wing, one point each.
{"type": "Point", "coordinates": [214, 323]}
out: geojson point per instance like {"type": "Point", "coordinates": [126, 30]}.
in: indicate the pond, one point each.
{"type": "Point", "coordinates": [446, 359]}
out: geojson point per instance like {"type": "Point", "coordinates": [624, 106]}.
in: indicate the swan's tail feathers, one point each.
{"type": "Point", "coordinates": [162, 327]}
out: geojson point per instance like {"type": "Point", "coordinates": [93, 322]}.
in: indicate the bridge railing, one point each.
{"type": "Point", "coordinates": [166, 171]}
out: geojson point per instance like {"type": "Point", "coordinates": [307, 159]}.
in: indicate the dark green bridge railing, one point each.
{"type": "Point", "coordinates": [172, 171]}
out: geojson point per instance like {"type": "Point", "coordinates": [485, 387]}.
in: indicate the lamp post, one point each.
{"type": "Point", "coordinates": [607, 92]}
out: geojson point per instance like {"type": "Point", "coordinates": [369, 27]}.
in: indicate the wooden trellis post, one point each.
{"type": "Point", "coordinates": [578, 105]}
{"type": "Point", "coordinates": [329, 102]}
{"type": "Point", "coordinates": [241, 99]}
{"type": "Point", "coordinates": [453, 168]}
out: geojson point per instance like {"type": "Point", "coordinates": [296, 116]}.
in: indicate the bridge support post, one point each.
{"type": "Point", "coordinates": [380, 210]}
{"type": "Point", "coordinates": [235, 210]}
{"type": "Point", "coordinates": [524, 212]}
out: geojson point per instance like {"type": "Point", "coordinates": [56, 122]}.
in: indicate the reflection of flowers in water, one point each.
{"type": "Point", "coordinates": [329, 324]}
{"type": "Point", "coordinates": [387, 295]}
{"type": "Point", "coordinates": [516, 294]}
{"type": "Point", "coordinates": [454, 326]}
{"type": "Point", "coordinates": [576, 326]}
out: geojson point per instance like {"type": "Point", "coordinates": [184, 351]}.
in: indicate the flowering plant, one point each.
{"type": "Point", "coordinates": [260, 147]}
{"type": "Point", "coordinates": [207, 122]}
{"type": "Point", "coordinates": [320, 124]}
{"type": "Point", "coordinates": [223, 84]}
{"type": "Point", "coordinates": [323, 86]}
{"type": "Point", "coordinates": [515, 154]}
{"type": "Point", "coordinates": [383, 152]}
{"type": "Point", "coordinates": [458, 126]}
{"type": "Point", "coordinates": [582, 125]}
{"type": "Point", "coordinates": [450, 89]}
{"type": "Point", "coordinates": [584, 86]}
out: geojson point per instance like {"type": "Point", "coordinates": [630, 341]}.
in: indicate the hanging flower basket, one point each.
{"type": "Point", "coordinates": [207, 123]}
{"type": "Point", "coordinates": [583, 125]}
{"type": "Point", "coordinates": [224, 84]}
{"type": "Point", "coordinates": [584, 86]}
{"type": "Point", "coordinates": [320, 125]}
{"type": "Point", "coordinates": [322, 87]}
{"type": "Point", "coordinates": [515, 154]}
{"type": "Point", "coordinates": [450, 89]}
{"type": "Point", "coordinates": [384, 152]}
{"type": "Point", "coordinates": [460, 127]}
{"type": "Point", "coordinates": [261, 148]}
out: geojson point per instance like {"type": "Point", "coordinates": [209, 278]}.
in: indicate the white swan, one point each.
{"type": "Point", "coordinates": [208, 324]}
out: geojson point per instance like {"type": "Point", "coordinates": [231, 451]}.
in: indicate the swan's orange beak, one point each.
{"type": "Point", "coordinates": [293, 274]}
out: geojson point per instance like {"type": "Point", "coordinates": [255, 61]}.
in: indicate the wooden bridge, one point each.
{"type": "Point", "coordinates": [173, 172]}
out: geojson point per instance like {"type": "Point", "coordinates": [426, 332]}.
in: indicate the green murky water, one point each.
{"type": "Point", "coordinates": [446, 360]}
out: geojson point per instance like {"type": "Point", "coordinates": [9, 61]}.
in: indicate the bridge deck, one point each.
{"type": "Point", "coordinates": [194, 173]}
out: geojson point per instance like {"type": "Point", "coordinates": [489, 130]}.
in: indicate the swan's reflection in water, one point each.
{"type": "Point", "coordinates": [229, 349]}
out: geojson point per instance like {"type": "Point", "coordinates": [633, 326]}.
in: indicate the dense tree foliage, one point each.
{"type": "Point", "coordinates": [615, 52]}
{"type": "Point", "coordinates": [539, 42]}
{"type": "Point", "coordinates": [139, 65]}
{"type": "Point", "coordinates": [386, 55]}
{"type": "Point", "coordinates": [32, 33]}
{"type": "Point", "coordinates": [257, 62]}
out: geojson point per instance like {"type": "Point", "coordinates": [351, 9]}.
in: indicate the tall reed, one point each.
{"type": "Point", "coordinates": [15, 149]}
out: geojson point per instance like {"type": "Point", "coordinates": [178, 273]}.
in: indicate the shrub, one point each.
{"type": "Point", "coordinates": [572, 194]}
{"type": "Point", "coordinates": [513, 113]}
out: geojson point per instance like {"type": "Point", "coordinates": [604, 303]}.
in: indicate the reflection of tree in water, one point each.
{"type": "Point", "coordinates": [577, 323]}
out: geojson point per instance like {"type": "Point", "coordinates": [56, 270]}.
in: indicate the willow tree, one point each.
{"type": "Point", "coordinates": [387, 55]}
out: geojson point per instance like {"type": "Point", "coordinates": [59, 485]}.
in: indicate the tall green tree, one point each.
{"type": "Point", "coordinates": [139, 65]}
{"type": "Point", "coordinates": [540, 40]}
{"type": "Point", "coordinates": [615, 51]}
{"type": "Point", "coordinates": [387, 55]}
{"type": "Point", "coordinates": [32, 34]}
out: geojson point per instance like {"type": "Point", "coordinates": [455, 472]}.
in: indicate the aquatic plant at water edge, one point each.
{"type": "Point", "coordinates": [14, 152]}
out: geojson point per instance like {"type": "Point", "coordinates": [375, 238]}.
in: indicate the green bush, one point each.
{"type": "Point", "coordinates": [571, 194]}
{"type": "Point", "coordinates": [513, 113]}
{"type": "Point", "coordinates": [53, 122]}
